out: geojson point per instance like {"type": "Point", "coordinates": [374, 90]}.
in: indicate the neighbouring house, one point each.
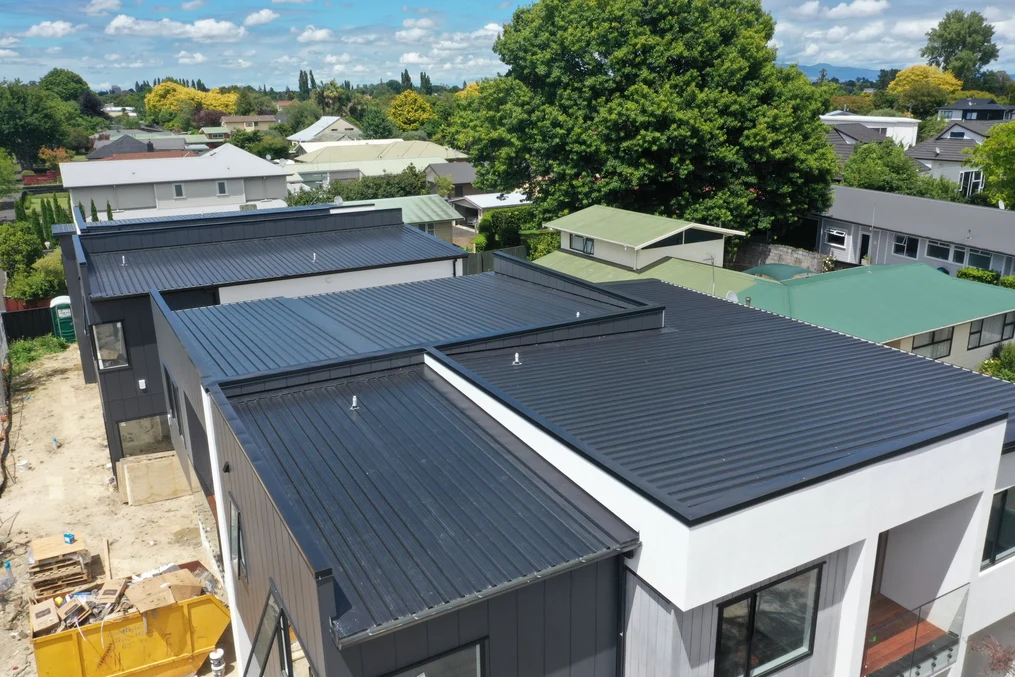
{"type": "Point", "coordinates": [306, 147]}
{"type": "Point", "coordinates": [152, 155]}
{"type": "Point", "coordinates": [226, 177]}
{"type": "Point", "coordinates": [430, 213]}
{"type": "Point", "coordinates": [129, 145]}
{"type": "Point", "coordinates": [281, 104]}
{"type": "Point", "coordinates": [943, 154]}
{"type": "Point", "coordinates": [887, 228]}
{"type": "Point", "coordinates": [247, 123]}
{"type": "Point", "coordinates": [899, 129]}
{"type": "Point", "coordinates": [844, 138]}
{"type": "Point", "coordinates": [634, 240]}
{"type": "Point", "coordinates": [209, 260]}
{"type": "Point", "coordinates": [328, 128]}
{"type": "Point", "coordinates": [975, 109]}
{"type": "Point", "coordinates": [366, 448]}
{"type": "Point", "coordinates": [473, 207]}
{"type": "Point", "coordinates": [394, 150]}
{"type": "Point", "coordinates": [119, 111]}
{"type": "Point", "coordinates": [462, 175]}
{"type": "Point", "coordinates": [311, 174]}
{"type": "Point", "coordinates": [216, 133]}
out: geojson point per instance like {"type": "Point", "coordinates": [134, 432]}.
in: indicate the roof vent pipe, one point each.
{"type": "Point", "coordinates": [517, 361]}
{"type": "Point", "coordinates": [123, 260]}
{"type": "Point", "coordinates": [355, 403]}
{"type": "Point", "coordinates": [747, 301]}
{"type": "Point", "coordinates": [578, 313]}
{"type": "Point", "coordinates": [314, 260]}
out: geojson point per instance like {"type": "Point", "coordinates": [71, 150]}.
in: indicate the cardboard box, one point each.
{"type": "Point", "coordinates": [164, 590]}
{"type": "Point", "coordinates": [110, 591]}
{"type": "Point", "coordinates": [73, 610]}
{"type": "Point", "coordinates": [44, 617]}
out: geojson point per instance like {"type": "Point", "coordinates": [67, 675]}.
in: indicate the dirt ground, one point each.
{"type": "Point", "coordinates": [69, 489]}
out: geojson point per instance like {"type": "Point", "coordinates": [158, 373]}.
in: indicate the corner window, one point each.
{"type": "Point", "coordinates": [835, 238]}
{"type": "Point", "coordinates": [222, 189]}
{"type": "Point", "coordinates": [971, 182]}
{"type": "Point", "coordinates": [110, 349]}
{"type": "Point", "coordinates": [465, 662]}
{"type": "Point", "coordinates": [276, 636]}
{"type": "Point", "coordinates": [769, 628]}
{"type": "Point", "coordinates": [934, 344]}
{"type": "Point", "coordinates": [991, 330]}
{"type": "Point", "coordinates": [178, 190]}
{"type": "Point", "coordinates": [239, 557]}
{"type": "Point", "coordinates": [428, 228]}
{"type": "Point", "coordinates": [586, 245]}
{"type": "Point", "coordinates": [979, 259]}
{"type": "Point", "coordinates": [906, 245]}
{"type": "Point", "coordinates": [938, 250]}
{"type": "Point", "coordinates": [1000, 543]}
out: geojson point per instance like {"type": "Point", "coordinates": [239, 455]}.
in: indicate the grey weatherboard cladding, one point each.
{"type": "Point", "coordinates": [419, 499]}
{"type": "Point", "coordinates": [729, 405]}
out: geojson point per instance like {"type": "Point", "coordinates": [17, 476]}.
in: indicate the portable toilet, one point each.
{"type": "Point", "coordinates": [63, 322]}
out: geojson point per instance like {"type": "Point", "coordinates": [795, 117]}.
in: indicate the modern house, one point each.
{"type": "Point", "coordinates": [886, 228]}
{"type": "Point", "coordinates": [328, 128]}
{"type": "Point", "coordinates": [311, 174]}
{"type": "Point", "coordinates": [462, 175]}
{"type": "Point", "coordinates": [975, 109]}
{"type": "Point", "coordinates": [473, 207]}
{"type": "Point", "coordinates": [899, 129]}
{"type": "Point", "coordinates": [564, 479]}
{"type": "Point", "coordinates": [430, 213]}
{"type": "Point", "coordinates": [226, 177]}
{"type": "Point", "coordinates": [395, 150]}
{"type": "Point", "coordinates": [247, 123]}
{"type": "Point", "coordinates": [217, 134]}
{"type": "Point", "coordinates": [129, 145]}
{"type": "Point", "coordinates": [844, 137]}
{"type": "Point", "coordinates": [943, 155]}
{"type": "Point", "coordinates": [215, 259]}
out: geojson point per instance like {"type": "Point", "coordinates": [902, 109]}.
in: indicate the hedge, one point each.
{"type": "Point", "coordinates": [978, 275]}
{"type": "Point", "coordinates": [1007, 281]}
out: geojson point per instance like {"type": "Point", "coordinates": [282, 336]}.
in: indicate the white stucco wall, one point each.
{"type": "Point", "coordinates": [699, 252]}
{"type": "Point", "coordinates": [323, 284]}
{"type": "Point", "coordinates": [199, 194]}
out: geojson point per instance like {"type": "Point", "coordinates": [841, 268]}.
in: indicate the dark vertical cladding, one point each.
{"type": "Point", "coordinates": [73, 271]}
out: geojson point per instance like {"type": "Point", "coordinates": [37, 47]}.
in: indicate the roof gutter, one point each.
{"type": "Point", "coordinates": [407, 621]}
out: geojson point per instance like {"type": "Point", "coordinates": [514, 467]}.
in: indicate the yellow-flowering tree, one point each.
{"type": "Point", "coordinates": [470, 89]}
{"type": "Point", "coordinates": [410, 111]}
{"type": "Point", "coordinates": [171, 97]}
{"type": "Point", "coordinates": [924, 75]}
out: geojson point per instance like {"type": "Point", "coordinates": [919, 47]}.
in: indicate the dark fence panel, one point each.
{"type": "Point", "coordinates": [482, 262]}
{"type": "Point", "coordinates": [24, 324]}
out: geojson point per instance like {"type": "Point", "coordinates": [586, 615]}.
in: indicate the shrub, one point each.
{"type": "Point", "coordinates": [23, 353]}
{"type": "Point", "coordinates": [503, 226]}
{"type": "Point", "coordinates": [542, 242]}
{"type": "Point", "coordinates": [44, 280]}
{"type": "Point", "coordinates": [1007, 281]}
{"type": "Point", "coordinates": [979, 275]}
{"type": "Point", "coordinates": [1001, 365]}
{"type": "Point", "coordinates": [480, 242]}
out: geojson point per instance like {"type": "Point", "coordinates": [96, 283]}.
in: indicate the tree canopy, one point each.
{"type": "Point", "coordinates": [962, 43]}
{"type": "Point", "coordinates": [662, 106]}
{"type": "Point", "coordinates": [880, 166]}
{"type": "Point", "coordinates": [996, 159]}
{"type": "Point", "coordinates": [30, 118]}
{"type": "Point", "coordinates": [261, 144]}
{"type": "Point", "coordinates": [377, 125]}
{"type": "Point", "coordinates": [933, 75]}
{"type": "Point", "coordinates": [8, 174]}
{"type": "Point", "coordinates": [410, 111]}
{"type": "Point", "coordinates": [67, 85]}
{"type": "Point", "coordinates": [923, 99]}
{"type": "Point", "coordinates": [412, 181]}
{"type": "Point", "coordinates": [166, 100]}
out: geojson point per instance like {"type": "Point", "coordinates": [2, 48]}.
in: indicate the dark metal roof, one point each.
{"type": "Point", "coordinates": [207, 218]}
{"type": "Point", "coordinates": [981, 127]}
{"type": "Point", "coordinates": [460, 172]}
{"type": "Point", "coordinates": [843, 148]}
{"type": "Point", "coordinates": [246, 338]}
{"type": "Point", "coordinates": [730, 405]}
{"type": "Point", "coordinates": [136, 271]}
{"type": "Point", "coordinates": [976, 104]}
{"type": "Point", "coordinates": [421, 500]}
{"type": "Point", "coordinates": [943, 149]}
{"type": "Point", "coordinates": [860, 132]}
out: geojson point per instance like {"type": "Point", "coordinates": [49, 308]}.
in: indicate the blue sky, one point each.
{"type": "Point", "coordinates": [268, 41]}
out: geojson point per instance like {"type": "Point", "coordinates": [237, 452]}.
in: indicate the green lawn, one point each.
{"type": "Point", "coordinates": [35, 201]}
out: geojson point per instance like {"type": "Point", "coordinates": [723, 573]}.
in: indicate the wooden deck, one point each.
{"type": "Point", "coordinates": [893, 632]}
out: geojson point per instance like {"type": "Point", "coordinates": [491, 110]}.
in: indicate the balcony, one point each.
{"type": "Point", "coordinates": [916, 642]}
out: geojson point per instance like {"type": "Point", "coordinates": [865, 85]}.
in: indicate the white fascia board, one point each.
{"type": "Point", "coordinates": [737, 550]}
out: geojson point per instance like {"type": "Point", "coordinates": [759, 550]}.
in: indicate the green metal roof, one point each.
{"type": "Point", "coordinates": [215, 130]}
{"type": "Point", "coordinates": [366, 167]}
{"type": "Point", "coordinates": [877, 303]}
{"type": "Point", "coordinates": [778, 271]}
{"type": "Point", "coordinates": [195, 138]}
{"type": "Point", "coordinates": [415, 209]}
{"type": "Point", "coordinates": [626, 228]}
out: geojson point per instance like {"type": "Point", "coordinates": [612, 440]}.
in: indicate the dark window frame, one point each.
{"type": "Point", "coordinates": [976, 331]}
{"type": "Point", "coordinates": [838, 234]}
{"type": "Point", "coordinates": [238, 555]}
{"type": "Point", "coordinates": [282, 625]}
{"type": "Point", "coordinates": [940, 245]}
{"type": "Point", "coordinates": [987, 562]}
{"type": "Point", "coordinates": [935, 341]}
{"type": "Point", "coordinates": [903, 242]}
{"type": "Point", "coordinates": [123, 340]}
{"type": "Point", "coordinates": [753, 595]}
{"type": "Point", "coordinates": [173, 395]}
{"type": "Point", "coordinates": [183, 192]}
{"type": "Point", "coordinates": [484, 657]}
{"type": "Point", "coordinates": [222, 188]}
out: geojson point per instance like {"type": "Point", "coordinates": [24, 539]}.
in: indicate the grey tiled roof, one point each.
{"type": "Point", "coordinates": [945, 150]}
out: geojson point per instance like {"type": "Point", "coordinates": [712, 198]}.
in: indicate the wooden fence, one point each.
{"type": "Point", "coordinates": [482, 262]}
{"type": "Point", "coordinates": [25, 324]}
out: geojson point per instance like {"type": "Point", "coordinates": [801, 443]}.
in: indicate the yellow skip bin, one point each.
{"type": "Point", "coordinates": [171, 641]}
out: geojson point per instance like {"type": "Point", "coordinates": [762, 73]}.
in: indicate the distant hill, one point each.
{"type": "Point", "coordinates": [842, 72]}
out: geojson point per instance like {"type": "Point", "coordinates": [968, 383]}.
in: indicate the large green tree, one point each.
{"type": "Point", "coordinates": [30, 117]}
{"type": "Point", "coordinates": [8, 174]}
{"type": "Point", "coordinates": [377, 125]}
{"type": "Point", "coordinates": [962, 43]}
{"type": "Point", "coordinates": [880, 166]}
{"type": "Point", "coordinates": [663, 106]}
{"type": "Point", "coordinates": [67, 85]}
{"type": "Point", "coordinates": [996, 158]}
{"type": "Point", "coordinates": [20, 247]}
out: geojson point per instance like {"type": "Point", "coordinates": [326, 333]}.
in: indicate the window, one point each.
{"type": "Point", "coordinates": [1000, 543]}
{"type": "Point", "coordinates": [148, 435]}
{"type": "Point", "coordinates": [428, 228]}
{"type": "Point", "coordinates": [275, 635]}
{"type": "Point", "coordinates": [972, 115]}
{"type": "Point", "coordinates": [173, 395]}
{"type": "Point", "coordinates": [970, 182]}
{"type": "Point", "coordinates": [239, 558]}
{"type": "Point", "coordinates": [906, 245]}
{"type": "Point", "coordinates": [465, 662]}
{"type": "Point", "coordinates": [979, 259]}
{"type": "Point", "coordinates": [991, 330]}
{"type": "Point", "coordinates": [956, 135]}
{"type": "Point", "coordinates": [110, 349]}
{"type": "Point", "coordinates": [835, 238]}
{"type": "Point", "coordinates": [178, 190]}
{"type": "Point", "coordinates": [881, 130]}
{"type": "Point", "coordinates": [946, 115]}
{"type": "Point", "coordinates": [222, 188]}
{"type": "Point", "coordinates": [770, 628]}
{"type": "Point", "coordinates": [938, 250]}
{"type": "Point", "coordinates": [249, 125]}
{"type": "Point", "coordinates": [459, 191]}
{"type": "Point", "coordinates": [958, 254]}
{"type": "Point", "coordinates": [585, 245]}
{"type": "Point", "coordinates": [934, 344]}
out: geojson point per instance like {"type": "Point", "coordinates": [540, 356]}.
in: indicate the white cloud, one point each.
{"type": "Point", "coordinates": [287, 60]}
{"type": "Point", "coordinates": [312, 34]}
{"type": "Point", "coordinates": [913, 28]}
{"type": "Point", "coordinates": [112, 57]}
{"type": "Point", "coordinates": [808, 9]}
{"type": "Point", "coordinates": [101, 87]}
{"type": "Point", "coordinates": [414, 58]}
{"type": "Point", "coordinates": [185, 58]}
{"type": "Point", "coordinates": [96, 7]}
{"type": "Point", "coordinates": [8, 42]}
{"type": "Point", "coordinates": [202, 30]}
{"type": "Point", "coordinates": [858, 8]}
{"type": "Point", "coordinates": [264, 16]}
{"type": "Point", "coordinates": [450, 45]}
{"type": "Point", "coordinates": [337, 58]}
{"type": "Point", "coordinates": [872, 30]}
{"type": "Point", "coordinates": [360, 39]}
{"type": "Point", "coordinates": [836, 33]}
{"type": "Point", "coordinates": [811, 50]}
{"type": "Point", "coordinates": [7, 54]}
{"type": "Point", "coordinates": [51, 29]}
{"type": "Point", "coordinates": [237, 63]}
{"type": "Point", "coordinates": [193, 4]}
{"type": "Point", "coordinates": [412, 35]}
{"type": "Point", "coordinates": [418, 23]}
{"type": "Point", "coordinates": [53, 50]}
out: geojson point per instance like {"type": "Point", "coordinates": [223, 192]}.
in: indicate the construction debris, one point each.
{"type": "Point", "coordinates": [54, 565]}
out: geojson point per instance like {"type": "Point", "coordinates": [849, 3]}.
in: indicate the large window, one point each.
{"type": "Point", "coordinates": [971, 182]}
{"type": "Point", "coordinates": [236, 543]}
{"type": "Point", "coordinates": [991, 330]}
{"type": "Point", "coordinates": [276, 640]}
{"type": "Point", "coordinates": [110, 349]}
{"type": "Point", "coordinates": [769, 628]}
{"type": "Point", "coordinates": [906, 245]}
{"type": "Point", "coordinates": [585, 245]}
{"type": "Point", "coordinates": [466, 662]}
{"type": "Point", "coordinates": [148, 435]}
{"type": "Point", "coordinates": [428, 228]}
{"type": "Point", "coordinates": [938, 250]}
{"type": "Point", "coordinates": [1000, 543]}
{"type": "Point", "coordinates": [979, 259]}
{"type": "Point", "coordinates": [934, 344]}
{"type": "Point", "coordinates": [835, 238]}
{"type": "Point", "coordinates": [223, 189]}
